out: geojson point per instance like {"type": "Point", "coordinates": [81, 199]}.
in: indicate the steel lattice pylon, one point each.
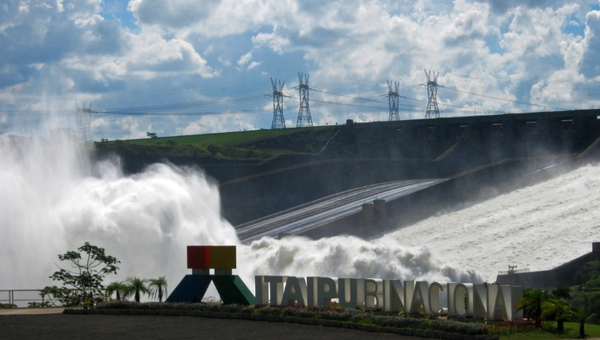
{"type": "Point", "coordinates": [304, 118]}
{"type": "Point", "coordinates": [394, 100]}
{"type": "Point", "coordinates": [83, 116]}
{"type": "Point", "coordinates": [278, 120]}
{"type": "Point", "coordinates": [432, 106]}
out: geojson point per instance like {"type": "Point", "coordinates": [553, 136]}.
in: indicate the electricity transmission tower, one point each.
{"type": "Point", "coordinates": [304, 118]}
{"type": "Point", "coordinates": [83, 116]}
{"type": "Point", "coordinates": [432, 106]}
{"type": "Point", "coordinates": [278, 120]}
{"type": "Point", "coordinates": [394, 100]}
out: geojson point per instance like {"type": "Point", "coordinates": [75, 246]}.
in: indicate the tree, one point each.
{"type": "Point", "coordinates": [580, 314]}
{"type": "Point", "coordinates": [562, 292]}
{"type": "Point", "coordinates": [158, 287]}
{"type": "Point", "coordinates": [531, 304]}
{"type": "Point", "coordinates": [116, 287]}
{"type": "Point", "coordinates": [135, 287]}
{"type": "Point", "coordinates": [558, 310]}
{"type": "Point", "coordinates": [90, 265]}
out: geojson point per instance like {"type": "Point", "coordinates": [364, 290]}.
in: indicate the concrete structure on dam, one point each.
{"type": "Point", "coordinates": [369, 153]}
{"type": "Point", "coordinates": [474, 155]}
{"type": "Point", "coordinates": [565, 275]}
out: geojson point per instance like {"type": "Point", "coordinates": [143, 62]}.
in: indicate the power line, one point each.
{"type": "Point", "coordinates": [347, 96]}
{"type": "Point", "coordinates": [195, 113]}
{"type": "Point", "coordinates": [176, 106]}
{"type": "Point", "coordinates": [498, 98]}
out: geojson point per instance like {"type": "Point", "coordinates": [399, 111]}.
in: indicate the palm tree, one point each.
{"type": "Point", "coordinates": [116, 287]}
{"type": "Point", "coordinates": [531, 304]}
{"type": "Point", "coordinates": [558, 310]}
{"type": "Point", "coordinates": [136, 286]}
{"type": "Point", "coordinates": [158, 287]}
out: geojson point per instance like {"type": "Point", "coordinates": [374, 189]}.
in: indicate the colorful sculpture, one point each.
{"type": "Point", "coordinates": [222, 259]}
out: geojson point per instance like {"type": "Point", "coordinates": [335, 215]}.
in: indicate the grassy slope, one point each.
{"type": "Point", "coordinates": [238, 145]}
{"type": "Point", "coordinates": [571, 332]}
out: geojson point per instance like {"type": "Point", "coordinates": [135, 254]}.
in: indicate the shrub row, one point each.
{"type": "Point", "coordinates": [354, 316]}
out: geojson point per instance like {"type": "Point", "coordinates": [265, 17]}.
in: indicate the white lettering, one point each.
{"type": "Point", "coordinates": [373, 294]}
{"type": "Point", "coordinates": [479, 301]}
{"type": "Point", "coordinates": [351, 292]}
{"type": "Point", "coordinates": [295, 291]}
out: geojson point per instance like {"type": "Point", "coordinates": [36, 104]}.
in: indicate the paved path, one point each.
{"type": "Point", "coordinates": [31, 311]}
{"type": "Point", "coordinates": [130, 327]}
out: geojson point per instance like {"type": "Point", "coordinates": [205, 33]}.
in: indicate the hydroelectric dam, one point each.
{"type": "Point", "coordinates": [444, 161]}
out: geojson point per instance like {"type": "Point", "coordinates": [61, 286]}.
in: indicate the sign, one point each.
{"type": "Point", "coordinates": [479, 301]}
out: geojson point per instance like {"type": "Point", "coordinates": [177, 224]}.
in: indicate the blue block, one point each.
{"type": "Point", "coordinates": [191, 289]}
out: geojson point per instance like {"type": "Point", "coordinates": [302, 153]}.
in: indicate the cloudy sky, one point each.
{"type": "Point", "coordinates": [188, 66]}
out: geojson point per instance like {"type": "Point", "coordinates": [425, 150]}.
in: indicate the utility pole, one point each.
{"type": "Point", "coordinates": [304, 118]}
{"type": "Point", "coordinates": [394, 100]}
{"type": "Point", "coordinates": [278, 120]}
{"type": "Point", "coordinates": [432, 106]}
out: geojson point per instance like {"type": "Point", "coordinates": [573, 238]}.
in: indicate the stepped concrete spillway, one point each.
{"type": "Point", "coordinates": [366, 203]}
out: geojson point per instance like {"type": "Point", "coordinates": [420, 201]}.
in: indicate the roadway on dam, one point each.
{"type": "Point", "coordinates": [328, 209]}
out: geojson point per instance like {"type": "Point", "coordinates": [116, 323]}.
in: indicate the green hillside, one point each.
{"type": "Point", "coordinates": [258, 144]}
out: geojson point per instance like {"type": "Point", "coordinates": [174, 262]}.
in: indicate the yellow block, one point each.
{"type": "Point", "coordinates": [222, 257]}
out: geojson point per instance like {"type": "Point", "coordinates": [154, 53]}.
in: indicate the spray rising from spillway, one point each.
{"type": "Point", "coordinates": [536, 228]}
{"type": "Point", "coordinates": [53, 199]}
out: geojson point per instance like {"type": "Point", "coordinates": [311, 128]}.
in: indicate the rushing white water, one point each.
{"type": "Point", "coordinates": [53, 199]}
{"type": "Point", "coordinates": [537, 227]}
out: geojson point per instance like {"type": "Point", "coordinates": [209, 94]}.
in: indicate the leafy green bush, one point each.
{"type": "Point", "coordinates": [7, 306]}
{"type": "Point", "coordinates": [333, 314]}
{"type": "Point", "coordinates": [45, 304]}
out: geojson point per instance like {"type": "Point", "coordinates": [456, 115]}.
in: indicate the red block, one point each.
{"type": "Point", "coordinates": [198, 257]}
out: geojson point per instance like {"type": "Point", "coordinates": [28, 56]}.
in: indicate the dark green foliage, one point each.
{"type": "Point", "coordinates": [45, 304]}
{"type": "Point", "coordinates": [556, 310]}
{"type": "Point", "coordinates": [531, 304]}
{"type": "Point", "coordinates": [7, 306]}
{"type": "Point", "coordinates": [158, 288]}
{"type": "Point", "coordinates": [91, 265]}
{"type": "Point", "coordinates": [63, 296]}
{"type": "Point", "coordinates": [303, 141]}
{"type": "Point", "coordinates": [333, 314]}
{"type": "Point", "coordinates": [118, 288]}
{"type": "Point", "coordinates": [562, 292]}
{"type": "Point", "coordinates": [136, 287]}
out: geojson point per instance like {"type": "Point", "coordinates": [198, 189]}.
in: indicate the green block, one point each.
{"type": "Point", "coordinates": [232, 290]}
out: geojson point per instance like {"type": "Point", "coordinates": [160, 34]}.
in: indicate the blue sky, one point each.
{"type": "Point", "coordinates": [188, 67]}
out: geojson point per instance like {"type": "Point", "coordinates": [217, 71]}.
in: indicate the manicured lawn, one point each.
{"type": "Point", "coordinates": [571, 332]}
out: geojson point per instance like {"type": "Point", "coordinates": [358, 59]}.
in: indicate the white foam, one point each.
{"type": "Point", "coordinates": [50, 202]}
{"type": "Point", "coordinates": [537, 227]}
{"type": "Point", "coordinates": [53, 199]}
{"type": "Point", "coordinates": [346, 256]}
